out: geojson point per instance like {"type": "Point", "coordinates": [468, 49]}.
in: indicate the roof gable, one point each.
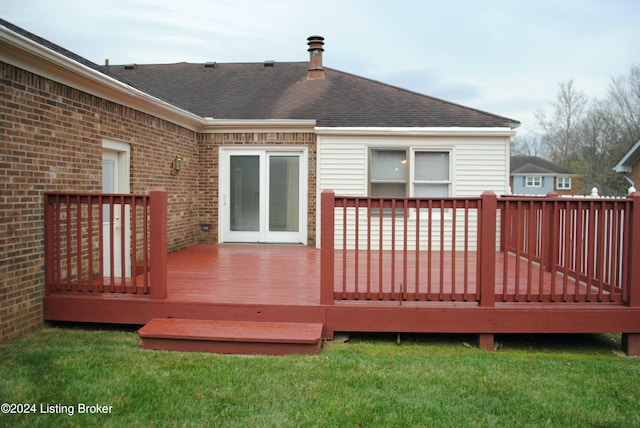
{"type": "Point", "coordinates": [528, 165]}
{"type": "Point", "coordinates": [629, 159]}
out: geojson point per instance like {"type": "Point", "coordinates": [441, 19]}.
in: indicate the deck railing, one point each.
{"type": "Point", "coordinates": [481, 250]}
{"type": "Point", "coordinates": [106, 243]}
{"type": "Point", "coordinates": [578, 250]}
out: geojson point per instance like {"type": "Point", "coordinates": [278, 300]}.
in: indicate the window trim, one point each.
{"type": "Point", "coordinates": [563, 180]}
{"type": "Point", "coordinates": [533, 181]}
{"type": "Point", "coordinates": [412, 164]}
{"type": "Point", "coordinates": [410, 181]}
{"type": "Point", "coordinates": [371, 181]}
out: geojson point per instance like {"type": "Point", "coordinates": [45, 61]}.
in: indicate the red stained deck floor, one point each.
{"type": "Point", "coordinates": [290, 275]}
{"type": "Point", "coordinates": [245, 274]}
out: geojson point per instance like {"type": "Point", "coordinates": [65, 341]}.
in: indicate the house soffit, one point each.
{"type": "Point", "coordinates": [629, 159]}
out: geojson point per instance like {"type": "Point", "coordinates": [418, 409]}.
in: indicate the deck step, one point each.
{"type": "Point", "coordinates": [232, 337]}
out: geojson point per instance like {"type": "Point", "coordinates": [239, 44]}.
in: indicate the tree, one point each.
{"type": "Point", "coordinates": [527, 145]}
{"type": "Point", "coordinates": [599, 140]}
{"type": "Point", "coordinates": [561, 129]}
{"type": "Point", "coordinates": [624, 96]}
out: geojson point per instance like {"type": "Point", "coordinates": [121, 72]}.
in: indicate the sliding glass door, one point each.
{"type": "Point", "coordinates": [264, 196]}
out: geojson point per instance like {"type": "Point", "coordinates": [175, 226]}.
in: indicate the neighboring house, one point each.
{"type": "Point", "coordinates": [531, 175]}
{"type": "Point", "coordinates": [257, 143]}
{"type": "Point", "coordinates": [629, 165]}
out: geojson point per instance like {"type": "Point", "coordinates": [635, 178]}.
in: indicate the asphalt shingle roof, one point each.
{"type": "Point", "coordinates": [535, 165]}
{"type": "Point", "coordinates": [282, 91]}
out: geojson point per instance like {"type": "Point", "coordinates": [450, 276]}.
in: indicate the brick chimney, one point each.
{"type": "Point", "coordinates": [316, 70]}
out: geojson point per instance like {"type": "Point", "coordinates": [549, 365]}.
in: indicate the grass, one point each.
{"type": "Point", "coordinates": [362, 381]}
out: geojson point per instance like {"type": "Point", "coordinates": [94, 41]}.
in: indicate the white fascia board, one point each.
{"type": "Point", "coordinates": [26, 54]}
{"type": "Point", "coordinates": [418, 131]}
{"type": "Point", "coordinates": [213, 126]}
{"type": "Point", "coordinates": [629, 159]}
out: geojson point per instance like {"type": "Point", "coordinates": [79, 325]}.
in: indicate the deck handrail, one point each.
{"type": "Point", "coordinates": [106, 243]}
{"type": "Point", "coordinates": [486, 249]}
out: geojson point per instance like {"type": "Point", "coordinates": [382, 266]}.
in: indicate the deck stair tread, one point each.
{"type": "Point", "coordinates": [227, 336]}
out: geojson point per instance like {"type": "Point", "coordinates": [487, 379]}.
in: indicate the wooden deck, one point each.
{"type": "Point", "coordinates": [244, 274]}
{"type": "Point", "coordinates": [563, 266]}
{"type": "Point", "coordinates": [290, 275]}
{"type": "Point", "coordinates": [282, 284]}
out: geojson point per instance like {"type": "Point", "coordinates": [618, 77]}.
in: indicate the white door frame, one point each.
{"type": "Point", "coordinates": [119, 153]}
{"type": "Point", "coordinates": [224, 232]}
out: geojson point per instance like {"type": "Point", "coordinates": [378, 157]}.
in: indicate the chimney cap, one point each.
{"type": "Point", "coordinates": [316, 69]}
{"type": "Point", "coordinates": [315, 43]}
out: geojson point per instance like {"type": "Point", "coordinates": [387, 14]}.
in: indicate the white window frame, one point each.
{"type": "Point", "coordinates": [410, 176]}
{"type": "Point", "coordinates": [533, 181]}
{"type": "Point", "coordinates": [412, 171]}
{"type": "Point", "coordinates": [563, 183]}
{"type": "Point", "coordinates": [372, 181]}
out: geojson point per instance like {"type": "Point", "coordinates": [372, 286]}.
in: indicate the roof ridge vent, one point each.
{"type": "Point", "coordinates": [210, 64]}
{"type": "Point", "coordinates": [269, 63]}
{"type": "Point", "coordinates": [129, 66]}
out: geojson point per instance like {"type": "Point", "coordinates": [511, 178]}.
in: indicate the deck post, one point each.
{"type": "Point", "coordinates": [49, 238]}
{"type": "Point", "coordinates": [486, 341]}
{"type": "Point", "coordinates": [158, 240]}
{"type": "Point", "coordinates": [549, 220]}
{"type": "Point", "coordinates": [487, 246]}
{"type": "Point", "coordinates": [634, 249]}
{"type": "Point", "coordinates": [327, 238]}
{"type": "Point", "coordinates": [487, 258]}
{"type": "Point", "coordinates": [631, 340]}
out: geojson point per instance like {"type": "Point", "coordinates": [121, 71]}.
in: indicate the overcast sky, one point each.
{"type": "Point", "coordinates": [503, 56]}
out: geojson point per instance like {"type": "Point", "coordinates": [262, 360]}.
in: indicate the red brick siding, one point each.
{"type": "Point", "coordinates": [52, 141]}
{"type": "Point", "coordinates": [577, 187]}
{"type": "Point", "coordinates": [209, 149]}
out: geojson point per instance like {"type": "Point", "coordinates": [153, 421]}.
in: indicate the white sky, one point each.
{"type": "Point", "coordinates": [503, 56]}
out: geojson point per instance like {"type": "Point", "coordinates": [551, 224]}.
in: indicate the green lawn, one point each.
{"type": "Point", "coordinates": [366, 381]}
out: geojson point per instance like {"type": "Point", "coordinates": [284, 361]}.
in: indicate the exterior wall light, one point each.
{"type": "Point", "coordinates": [176, 165]}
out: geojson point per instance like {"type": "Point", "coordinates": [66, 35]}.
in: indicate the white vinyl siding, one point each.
{"type": "Point", "coordinates": [476, 165]}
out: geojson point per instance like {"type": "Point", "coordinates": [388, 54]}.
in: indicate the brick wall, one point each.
{"type": "Point", "coordinates": [577, 187]}
{"type": "Point", "coordinates": [52, 141]}
{"type": "Point", "coordinates": [209, 149]}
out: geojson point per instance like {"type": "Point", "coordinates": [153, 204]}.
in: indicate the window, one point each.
{"type": "Point", "coordinates": [563, 183]}
{"type": "Point", "coordinates": [533, 181]}
{"type": "Point", "coordinates": [388, 176]}
{"type": "Point", "coordinates": [431, 176]}
{"type": "Point", "coordinates": [393, 175]}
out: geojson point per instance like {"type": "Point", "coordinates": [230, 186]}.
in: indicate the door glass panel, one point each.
{"type": "Point", "coordinates": [244, 197]}
{"type": "Point", "coordinates": [284, 193]}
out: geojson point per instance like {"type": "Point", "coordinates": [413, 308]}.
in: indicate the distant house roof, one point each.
{"type": "Point", "coordinates": [629, 159]}
{"type": "Point", "coordinates": [530, 165]}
